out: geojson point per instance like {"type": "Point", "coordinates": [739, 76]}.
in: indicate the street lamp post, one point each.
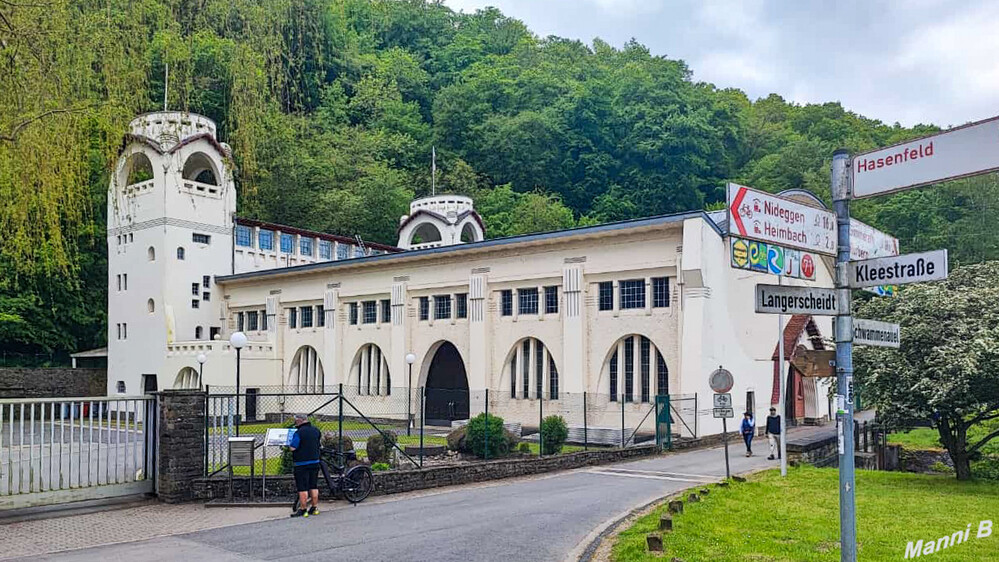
{"type": "Point", "coordinates": [201, 369]}
{"type": "Point", "coordinates": [410, 359]}
{"type": "Point", "coordinates": [237, 340]}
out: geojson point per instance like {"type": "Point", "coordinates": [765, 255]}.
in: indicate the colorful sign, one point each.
{"type": "Point", "coordinates": [771, 258]}
{"type": "Point", "coordinates": [758, 215]}
{"type": "Point", "coordinates": [960, 152]}
{"type": "Point", "coordinates": [740, 253]}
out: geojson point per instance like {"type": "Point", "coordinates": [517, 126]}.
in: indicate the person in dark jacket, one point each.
{"type": "Point", "coordinates": [747, 429]}
{"type": "Point", "coordinates": [305, 453]}
{"type": "Point", "coordinates": [773, 433]}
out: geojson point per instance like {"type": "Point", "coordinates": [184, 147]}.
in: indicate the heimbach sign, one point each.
{"type": "Point", "coordinates": [777, 299]}
{"type": "Point", "coordinates": [898, 270]}
{"type": "Point", "coordinates": [761, 216]}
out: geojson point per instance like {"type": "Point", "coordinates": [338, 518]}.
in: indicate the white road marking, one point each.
{"type": "Point", "coordinates": [652, 475]}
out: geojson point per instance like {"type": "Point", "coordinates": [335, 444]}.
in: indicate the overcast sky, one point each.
{"type": "Point", "coordinates": [910, 61]}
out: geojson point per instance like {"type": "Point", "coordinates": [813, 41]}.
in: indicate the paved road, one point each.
{"type": "Point", "coordinates": [540, 518]}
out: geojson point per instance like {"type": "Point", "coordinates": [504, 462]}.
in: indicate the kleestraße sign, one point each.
{"type": "Point", "coordinates": [761, 216]}
{"type": "Point", "coordinates": [963, 151]}
{"type": "Point", "coordinates": [898, 270]}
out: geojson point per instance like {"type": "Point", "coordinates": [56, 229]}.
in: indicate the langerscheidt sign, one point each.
{"type": "Point", "coordinates": [777, 299]}
{"type": "Point", "coordinates": [963, 151]}
{"type": "Point", "coordinates": [898, 270]}
{"type": "Point", "coordinates": [758, 215]}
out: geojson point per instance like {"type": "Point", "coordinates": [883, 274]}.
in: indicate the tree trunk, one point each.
{"type": "Point", "coordinates": [956, 442]}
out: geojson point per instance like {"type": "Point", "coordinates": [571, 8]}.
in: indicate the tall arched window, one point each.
{"type": "Point", "coordinates": [370, 371]}
{"type": "Point", "coordinates": [180, 252]}
{"type": "Point", "coordinates": [151, 254]}
{"type": "Point", "coordinates": [532, 370]}
{"type": "Point", "coordinates": [187, 378]}
{"type": "Point", "coordinates": [199, 167]}
{"type": "Point", "coordinates": [150, 306]}
{"type": "Point", "coordinates": [306, 373]}
{"type": "Point", "coordinates": [198, 332]}
{"type": "Point", "coordinates": [137, 169]}
{"type": "Point", "coordinates": [629, 370]}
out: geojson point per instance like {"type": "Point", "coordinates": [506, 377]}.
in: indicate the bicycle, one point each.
{"type": "Point", "coordinates": [354, 483]}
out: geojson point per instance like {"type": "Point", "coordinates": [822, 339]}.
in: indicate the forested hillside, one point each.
{"type": "Point", "coordinates": [332, 107]}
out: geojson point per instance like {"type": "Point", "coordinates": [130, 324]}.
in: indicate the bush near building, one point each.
{"type": "Point", "coordinates": [554, 432]}
{"type": "Point", "coordinates": [380, 447]}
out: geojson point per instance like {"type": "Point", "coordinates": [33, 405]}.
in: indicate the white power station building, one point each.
{"type": "Point", "coordinates": [621, 311]}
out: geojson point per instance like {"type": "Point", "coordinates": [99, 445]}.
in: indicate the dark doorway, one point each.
{"type": "Point", "coordinates": [447, 387]}
{"type": "Point", "coordinates": [251, 403]}
{"type": "Point", "coordinates": [149, 383]}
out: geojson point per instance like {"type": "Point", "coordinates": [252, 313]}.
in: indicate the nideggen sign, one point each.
{"type": "Point", "coordinates": [778, 299]}
{"type": "Point", "coordinates": [898, 270]}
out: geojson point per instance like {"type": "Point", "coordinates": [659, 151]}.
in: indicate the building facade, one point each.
{"type": "Point", "coordinates": [621, 312]}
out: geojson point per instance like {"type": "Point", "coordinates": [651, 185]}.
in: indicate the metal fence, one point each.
{"type": "Point", "coordinates": [423, 417]}
{"type": "Point", "coordinates": [58, 450]}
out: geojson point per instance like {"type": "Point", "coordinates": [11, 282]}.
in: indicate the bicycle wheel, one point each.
{"type": "Point", "coordinates": [357, 484]}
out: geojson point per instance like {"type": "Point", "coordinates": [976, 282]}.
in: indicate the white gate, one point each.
{"type": "Point", "coordinates": [58, 450]}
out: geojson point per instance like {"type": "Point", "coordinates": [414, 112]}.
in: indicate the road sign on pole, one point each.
{"type": "Point", "coordinates": [872, 332]}
{"type": "Point", "coordinates": [721, 380]}
{"type": "Point", "coordinates": [723, 400]}
{"type": "Point", "coordinates": [724, 412]}
{"type": "Point", "coordinates": [765, 217]}
{"type": "Point", "coordinates": [959, 152]}
{"type": "Point", "coordinates": [898, 270]}
{"type": "Point", "coordinates": [867, 242]}
{"type": "Point", "coordinates": [777, 299]}
{"type": "Point", "coordinates": [840, 185]}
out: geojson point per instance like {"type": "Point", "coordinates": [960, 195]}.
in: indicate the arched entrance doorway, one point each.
{"type": "Point", "coordinates": [447, 387]}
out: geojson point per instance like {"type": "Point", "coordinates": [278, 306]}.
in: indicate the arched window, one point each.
{"type": "Point", "coordinates": [199, 167]}
{"type": "Point", "coordinates": [532, 370]}
{"type": "Point", "coordinates": [137, 169]}
{"type": "Point", "coordinates": [151, 254]}
{"type": "Point", "coordinates": [150, 306]}
{"type": "Point", "coordinates": [469, 233]}
{"type": "Point", "coordinates": [629, 370]}
{"type": "Point", "coordinates": [180, 252]}
{"type": "Point", "coordinates": [306, 373]}
{"type": "Point", "coordinates": [425, 233]}
{"type": "Point", "coordinates": [371, 372]}
{"type": "Point", "coordinates": [187, 378]}
{"type": "Point", "coordinates": [198, 332]}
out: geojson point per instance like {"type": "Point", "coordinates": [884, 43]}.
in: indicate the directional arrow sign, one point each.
{"type": "Point", "coordinates": [897, 270]}
{"type": "Point", "coordinates": [777, 299]}
{"type": "Point", "coordinates": [872, 332]}
{"type": "Point", "coordinates": [963, 151]}
{"type": "Point", "coordinates": [761, 216]}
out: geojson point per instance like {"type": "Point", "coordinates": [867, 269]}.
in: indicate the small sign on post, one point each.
{"type": "Point", "coordinates": [872, 332]}
{"type": "Point", "coordinates": [899, 270]}
{"type": "Point", "coordinates": [722, 381]}
{"type": "Point", "coordinates": [778, 299]}
{"type": "Point", "coordinates": [762, 216]}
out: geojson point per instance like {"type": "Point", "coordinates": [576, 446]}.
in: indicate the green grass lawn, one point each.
{"type": "Point", "coordinates": [797, 519]}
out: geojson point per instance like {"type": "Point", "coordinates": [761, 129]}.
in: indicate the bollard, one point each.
{"type": "Point", "coordinates": [693, 498]}
{"type": "Point", "coordinates": [654, 542]}
{"type": "Point", "coordinates": [676, 506]}
{"type": "Point", "coordinates": [705, 491]}
{"type": "Point", "coordinates": [665, 523]}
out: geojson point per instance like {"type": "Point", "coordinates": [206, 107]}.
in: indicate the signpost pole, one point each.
{"type": "Point", "coordinates": [844, 360]}
{"type": "Point", "coordinates": [728, 473]}
{"type": "Point", "coordinates": [780, 387]}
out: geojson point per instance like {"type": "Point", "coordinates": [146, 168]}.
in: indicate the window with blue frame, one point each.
{"type": "Point", "coordinates": [325, 249]}
{"type": "Point", "coordinates": [265, 239]}
{"type": "Point", "coordinates": [243, 235]}
{"type": "Point", "coordinates": [305, 246]}
{"type": "Point", "coordinates": [287, 243]}
{"type": "Point", "coordinates": [342, 251]}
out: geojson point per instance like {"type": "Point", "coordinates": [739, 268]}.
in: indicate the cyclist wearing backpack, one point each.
{"type": "Point", "coordinates": [305, 454]}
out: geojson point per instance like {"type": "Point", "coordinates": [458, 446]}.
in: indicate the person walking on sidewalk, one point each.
{"type": "Point", "coordinates": [305, 454]}
{"type": "Point", "coordinates": [748, 428]}
{"type": "Point", "coordinates": [773, 433]}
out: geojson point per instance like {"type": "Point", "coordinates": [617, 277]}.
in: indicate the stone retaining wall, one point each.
{"type": "Point", "coordinates": [397, 481]}
{"type": "Point", "coordinates": [56, 382]}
